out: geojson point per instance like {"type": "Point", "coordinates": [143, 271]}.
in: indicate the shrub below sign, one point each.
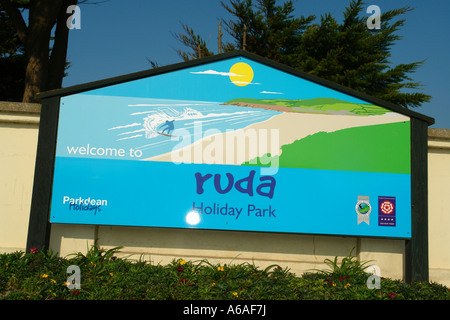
{"type": "Point", "coordinates": [43, 276]}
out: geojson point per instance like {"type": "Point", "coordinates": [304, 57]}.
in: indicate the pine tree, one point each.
{"type": "Point", "coordinates": [12, 61]}
{"type": "Point", "coordinates": [272, 31]}
{"type": "Point", "coordinates": [354, 56]}
{"type": "Point", "coordinates": [347, 53]}
{"type": "Point", "coordinates": [45, 66]}
{"type": "Point", "coordinates": [194, 42]}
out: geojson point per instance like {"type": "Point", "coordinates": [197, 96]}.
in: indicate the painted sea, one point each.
{"type": "Point", "coordinates": [124, 123]}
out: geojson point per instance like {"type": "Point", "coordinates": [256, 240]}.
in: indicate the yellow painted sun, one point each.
{"type": "Point", "coordinates": [242, 74]}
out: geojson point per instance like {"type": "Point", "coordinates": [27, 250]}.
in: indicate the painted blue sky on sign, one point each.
{"type": "Point", "coordinates": [211, 82]}
{"type": "Point", "coordinates": [130, 115]}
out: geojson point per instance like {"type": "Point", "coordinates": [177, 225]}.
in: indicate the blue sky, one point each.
{"type": "Point", "coordinates": [117, 36]}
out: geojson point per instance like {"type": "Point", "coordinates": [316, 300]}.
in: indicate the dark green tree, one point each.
{"type": "Point", "coordinates": [348, 53]}
{"type": "Point", "coordinates": [354, 56]}
{"type": "Point", "coordinates": [271, 30]}
{"type": "Point", "coordinates": [12, 61]}
{"type": "Point", "coordinates": [194, 42]}
{"type": "Point", "coordinates": [44, 50]}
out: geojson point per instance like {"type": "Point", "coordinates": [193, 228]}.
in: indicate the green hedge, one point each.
{"type": "Point", "coordinates": [43, 275]}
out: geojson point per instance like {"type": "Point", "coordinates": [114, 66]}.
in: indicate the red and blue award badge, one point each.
{"type": "Point", "coordinates": [386, 211]}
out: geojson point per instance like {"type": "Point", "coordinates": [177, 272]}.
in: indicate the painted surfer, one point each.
{"type": "Point", "coordinates": [168, 127]}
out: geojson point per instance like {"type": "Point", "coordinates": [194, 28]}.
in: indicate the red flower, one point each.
{"type": "Point", "coordinates": [392, 295]}
{"type": "Point", "coordinates": [180, 269]}
{"type": "Point", "coordinates": [34, 250]}
{"type": "Point", "coordinates": [76, 292]}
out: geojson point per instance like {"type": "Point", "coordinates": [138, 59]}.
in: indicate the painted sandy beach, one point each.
{"type": "Point", "coordinates": [271, 135]}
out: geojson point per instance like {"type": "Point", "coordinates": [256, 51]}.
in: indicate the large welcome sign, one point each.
{"type": "Point", "coordinates": [232, 144]}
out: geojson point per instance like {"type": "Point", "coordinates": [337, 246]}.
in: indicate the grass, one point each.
{"type": "Point", "coordinates": [375, 148]}
{"type": "Point", "coordinates": [103, 276]}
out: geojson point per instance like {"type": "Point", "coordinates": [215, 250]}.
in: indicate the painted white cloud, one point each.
{"type": "Point", "coordinates": [244, 82]}
{"type": "Point", "coordinates": [271, 92]}
{"type": "Point", "coordinates": [219, 73]}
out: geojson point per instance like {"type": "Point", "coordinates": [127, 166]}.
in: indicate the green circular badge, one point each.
{"type": "Point", "coordinates": [363, 208]}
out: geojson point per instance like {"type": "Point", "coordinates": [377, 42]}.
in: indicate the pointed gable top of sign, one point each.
{"type": "Point", "coordinates": [223, 77]}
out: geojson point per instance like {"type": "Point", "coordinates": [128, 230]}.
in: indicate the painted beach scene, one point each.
{"type": "Point", "coordinates": [234, 112]}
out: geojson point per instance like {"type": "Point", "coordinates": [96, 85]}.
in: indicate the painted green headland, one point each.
{"type": "Point", "coordinates": [315, 105]}
{"type": "Point", "coordinates": [376, 148]}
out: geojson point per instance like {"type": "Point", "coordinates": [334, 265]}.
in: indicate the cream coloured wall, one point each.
{"type": "Point", "coordinates": [19, 124]}
{"type": "Point", "coordinates": [301, 253]}
{"type": "Point", "coordinates": [438, 194]}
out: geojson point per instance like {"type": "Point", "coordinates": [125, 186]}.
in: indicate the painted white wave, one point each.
{"type": "Point", "coordinates": [132, 137]}
{"type": "Point", "coordinates": [160, 116]}
{"type": "Point", "coordinates": [125, 126]}
{"type": "Point", "coordinates": [155, 119]}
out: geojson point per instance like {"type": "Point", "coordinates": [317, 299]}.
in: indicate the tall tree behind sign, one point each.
{"type": "Point", "coordinates": [348, 53]}
{"type": "Point", "coordinates": [44, 71]}
{"type": "Point", "coordinates": [12, 61]}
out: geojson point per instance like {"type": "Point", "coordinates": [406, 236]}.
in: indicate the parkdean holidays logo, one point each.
{"type": "Point", "coordinates": [87, 204]}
